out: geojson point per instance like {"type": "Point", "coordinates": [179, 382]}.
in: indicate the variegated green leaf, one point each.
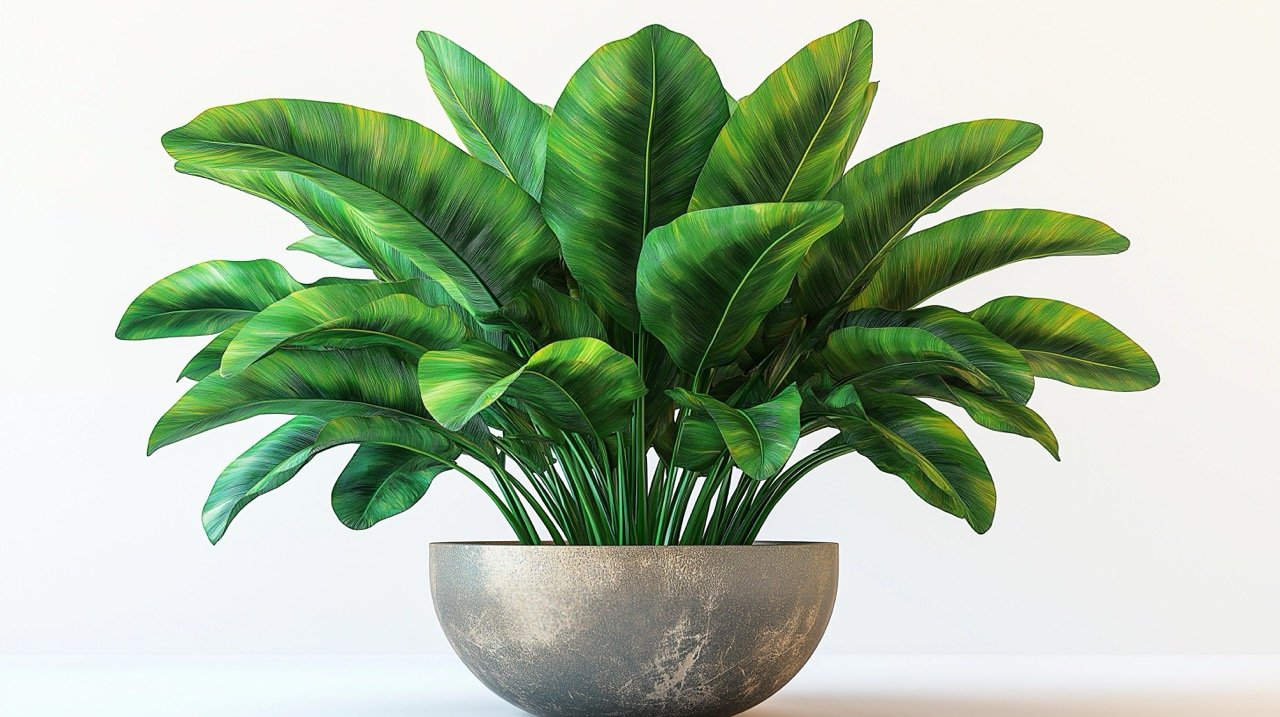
{"type": "Point", "coordinates": [579, 385]}
{"type": "Point", "coordinates": [1068, 344]}
{"type": "Point", "coordinates": [928, 261]}
{"type": "Point", "coordinates": [267, 465]}
{"type": "Point", "coordinates": [997, 360]}
{"type": "Point", "coordinates": [325, 384]}
{"type": "Point", "coordinates": [205, 299]}
{"type": "Point", "coordinates": [381, 481]}
{"type": "Point", "coordinates": [885, 195]}
{"type": "Point", "coordinates": [330, 250]}
{"type": "Point", "coordinates": [882, 357]}
{"type": "Point", "coordinates": [496, 122]}
{"type": "Point", "coordinates": [790, 139]}
{"type": "Point", "coordinates": [374, 180]}
{"type": "Point", "coordinates": [707, 279]}
{"type": "Point", "coordinates": [1007, 417]}
{"type": "Point", "coordinates": [627, 139]}
{"type": "Point", "coordinates": [346, 316]}
{"type": "Point", "coordinates": [760, 438]}
{"type": "Point", "coordinates": [547, 315]}
{"type": "Point", "coordinates": [927, 450]}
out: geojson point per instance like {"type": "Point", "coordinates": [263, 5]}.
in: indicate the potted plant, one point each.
{"type": "Point", "coordinates": [617, 318]}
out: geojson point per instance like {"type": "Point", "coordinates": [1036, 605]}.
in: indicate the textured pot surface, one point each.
{"type": "Point", "coordinates": [678, 631]}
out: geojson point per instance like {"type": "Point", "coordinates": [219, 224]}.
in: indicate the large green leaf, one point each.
{"type": "Point", "coordinates": [928, 261]}
{"type": "Point", "coordinates": [330, 250]}
{"type": "Point", "coordinates": [884, 196]}
{"type": "Point", "coordinates": [580, 385]}
{"type": "Point", "coordinates": [497, 123]}
{"type": "Point", "coordinates": [205, 299]}
{"type": "Point", "coordinates": [707, 279]}
{"type": "Point", "coordinates": [760, 438]}
{"type": "Point", "coordinates": [209, 358]}
{"type": "Point", "coordinates": [346, 316]}
{"type": "Point", "coordinates": [790, 139]}
{"type": "Point", "coordinates": [884, 356]}
{"type": "Point", "coordinates": [547, 315]}
{"type": "Point", "coordinates": [267, 465]}
{"type": "Point", "coordinates": [374, 180]}
{"type": "Point", "coordinates": [628, 137]}
{"type": "Point", "coordinates": [997, 360]}
{"type": "Point", "coordinates": [381, 481]}
{"type": "Point", "coordinates": [1069, 344]}
{"type": "Point", "coordinates": [903, 436]}
{"type": "Point", "coordinates": [325, 384]}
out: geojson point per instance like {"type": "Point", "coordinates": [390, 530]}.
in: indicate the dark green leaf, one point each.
{"type": "Point", "coordinates": [760, 438]}
{"type": "Point", "coordinates": [205, 299]}
{"type": "Point", "coordinates": [381, 481]}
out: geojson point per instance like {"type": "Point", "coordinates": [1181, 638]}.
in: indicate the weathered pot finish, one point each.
{"type": "Point", "coordinates": [677, 631]}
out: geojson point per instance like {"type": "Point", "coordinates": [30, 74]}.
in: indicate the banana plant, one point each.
{"type": "Point", "coordinates": [618, 316]}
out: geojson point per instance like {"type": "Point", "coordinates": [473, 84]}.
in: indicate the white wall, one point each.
{"type": "Point", "coordinates": [1157, 532]}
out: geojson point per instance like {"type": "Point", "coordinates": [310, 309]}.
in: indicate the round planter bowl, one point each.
{"type": "Point", "coordinates": [635, 631]}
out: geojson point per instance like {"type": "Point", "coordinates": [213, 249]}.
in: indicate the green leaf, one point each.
{"type": "Point", "coordinates": [579, 385]}
{"type": "Point", "coordinates": [707, 279]}
{"type": "Point", "coordinates": [627, 139]}
{"type": "Point", "coordinates": [496, 122]}
{"type": "Point", "coordinates": [205, 299]}
{"type": "Point", "coordinates": [881, 357]}
{"type": "Point", "coordinates": [927, 450]}
{"type": "Point", "coordinates": [885, 195]}
{"type": "Point", "coordinates": [325, 384]}
{"type": "Point", "coordinates": [330, 250]}
{"type": "Point", "coordinates": [924, 263]}
{"type": "Point", "coordinates": [760, 438]}
{"type": "Point", "coordinates": [1068, 344]}
{"type": "Point", "coordinates": [209, 358]}
{"type": "Point", "coordinates": [346, 316]}
{"type": "Point", "coordinates": [1007, 417]}
{"type": "Point", "coordinates": [548, 315]}
{"type": "Point", "coordinates": [790, 139]}
{"type": "Point", "coordinates": [373, 180]}
{"type": "Point", "coordinates": [269, 464]}
{"type": "Point", "coordinates": [381, 481]}
{"type": "Point", "coordinates": [997, 360]}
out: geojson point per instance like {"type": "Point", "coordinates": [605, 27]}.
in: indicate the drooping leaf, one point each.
{"type": "Point", "coordinates": [906, 438]}
{"type": "Point", "coordinates": [209, 358]}
{"type": "Point", "coordinates": [707, 279]}
{"type": "Point", "coordinates": [267, 465]}
{"type": "Point", "coordinates": [760, 438]}
{"type": "Point", "coordinates": [928, 261]}
{"type": "Point", "coordinates": [205, 299]}
{"type": "Point", "coordinates": [548, 315]}
{"type": "Point", "coordinates": [346, 316]}
{"type": "Point", "coordinates": [372, 181]}
{"type": "Point", "coordinates": [627, 139]}
{"type": "Point", "coordinates": [1068, 344]}
{"type": "Point", "coordinates": [497, 123]}
{"type": "Point", "coordinates": [579, 385]}
{"type": "Point", "coordinates": [790, 139]}
{"type": "Point", "coordinates": [885, 195]}
{"type": "Point", "coordinates": [881, 357]}
{"type": "Point", "coordinates": [324, 384]}
{"type": "Point", "coordinates": [997, 360]}
{"type": "Point", "coordinates": [381, 481]}
{"type": "Point", "coordinates": [330, 250]}
{"type": "Point", "coordinates": [1007, 417]}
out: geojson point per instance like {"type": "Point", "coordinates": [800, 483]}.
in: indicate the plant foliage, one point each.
{"type": "Point", "coordinates": [618, 317]}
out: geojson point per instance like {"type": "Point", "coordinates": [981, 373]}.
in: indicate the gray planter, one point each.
{"type": "Point", "coordinates": [677, 631]}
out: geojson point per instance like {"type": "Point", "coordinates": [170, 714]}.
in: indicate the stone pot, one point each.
{"type": "Point", "coordinates": [634, 631]}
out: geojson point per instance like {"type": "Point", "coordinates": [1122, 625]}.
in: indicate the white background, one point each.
{"type": "Point", "coordinates": [1157, 532]}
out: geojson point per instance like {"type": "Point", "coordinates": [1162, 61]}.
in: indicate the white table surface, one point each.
{"type": "Point", "coordinates": [831, 686]}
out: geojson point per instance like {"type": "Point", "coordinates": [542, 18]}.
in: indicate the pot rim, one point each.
{"type": "Point", "coordinates": [759, 544]}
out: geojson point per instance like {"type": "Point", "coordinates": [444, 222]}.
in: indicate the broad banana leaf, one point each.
{"type": "Point", "coordinates": [209, 358]}
{"type": "Point", "coordinates": [324, 384]}
{"type": "Point", "coordinates": [547, 315]}
{"type": "Point", "coordinates": [789, 140]}
{"type": "Point", "coordinates": [381, 481]}
{"type": "Point", "coordinates": [885, 356]}
{"type": "Point", "coordinates": [496, 122]}
{"type": "Point", "coordinates": [579, 385]}
{"type": "Point", "coordinates": [330, 250]}
{"type": "Point", "coordinates": [628, 137]}
{"type": "Point", "coordinates": [885, 195]}
{"type": "Point", "coordinates": [1068, 344]}
{"type": "Point", "coordinates": [903, 436]}
{"type": "Point", "coordinates": [760, 438]}
{"type": "Point", "coordinates": [928, 261]}
{"type": "Point", "coordinates": [370, 180]}
{"type": "Point", "coordinates": [205, 299]}
{"type": "Point", "coordinates": [346, 316]}
{"type": "Point", "coordinates": [707, 279]}
{"type": "Point", "coordinates": [997, 360]}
